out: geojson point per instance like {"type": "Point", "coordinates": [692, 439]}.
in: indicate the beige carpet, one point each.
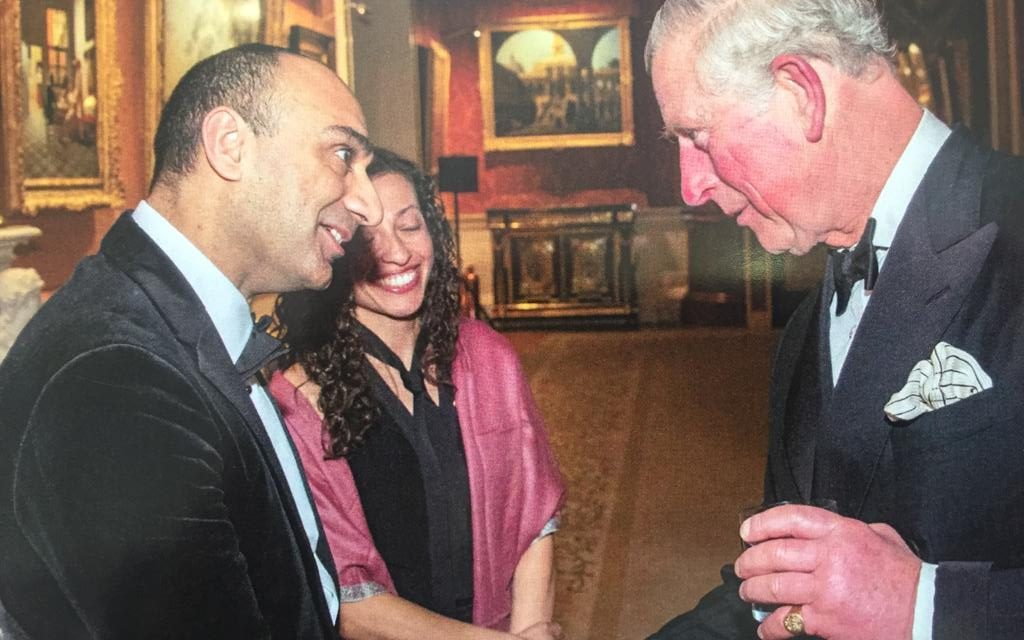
{"type": "Point", "coordinates": [661, 436]}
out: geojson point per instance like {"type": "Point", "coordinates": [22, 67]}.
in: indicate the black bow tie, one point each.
{"type": "Point", "coordinates": [259, 351]}
{"type": "Point", "coordinates": [851, 265]}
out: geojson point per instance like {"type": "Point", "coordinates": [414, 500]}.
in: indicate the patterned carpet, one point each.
{"type": "Point", "coordinates": [643, 423]}
{"type": "Point", "coordinates": [586, 386]}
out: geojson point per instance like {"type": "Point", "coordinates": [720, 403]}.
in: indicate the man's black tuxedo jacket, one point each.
{"type": "Point", "coordinates": [951, 481]}
{"type": "Point", "coordinates": [142, 497]}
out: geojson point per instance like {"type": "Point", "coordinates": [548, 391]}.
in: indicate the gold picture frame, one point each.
{"type": "Point", "coordinates": [556, 82]}
{"type": "Point", "coordinates": [60, 115]}
{"type": "Point", "coordinates": [167, 59]}
{"type": "Point", "coordinates": [313, 45]}
{"type": "Point", "coordinates": [436, 69]}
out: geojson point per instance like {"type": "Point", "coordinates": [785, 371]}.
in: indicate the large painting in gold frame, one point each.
{"type": "Point", "coordinates": [180, 33]}
{"type": "Point", "coordinates": [60, 92]}
{"type": "Point", "coordinates": [556, 82]}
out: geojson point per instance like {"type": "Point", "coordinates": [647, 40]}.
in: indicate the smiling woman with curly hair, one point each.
{"type": "Point", "coordinates": [422, 446]}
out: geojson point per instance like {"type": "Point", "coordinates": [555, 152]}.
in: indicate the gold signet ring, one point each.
{"type": "Point", "coordinates": [794, 621]}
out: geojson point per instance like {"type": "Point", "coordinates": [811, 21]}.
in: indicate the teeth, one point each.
{"type": "Point", "coordinates": [399, 279]}
{"type": "Point", "coordinates": [335, 234]}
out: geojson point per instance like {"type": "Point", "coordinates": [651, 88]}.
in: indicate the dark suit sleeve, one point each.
{"type": "Point", "coordinates": [119, 489]}
{"type": "Point", "coordinates": [973, 600]}
{"type": "Point", "coordinates": [720, 615]}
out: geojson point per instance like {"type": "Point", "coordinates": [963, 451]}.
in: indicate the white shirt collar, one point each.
{"type": "Point", "coordinates": [224, 303]}
{"type": "Point", "coordinates": [906, 177]}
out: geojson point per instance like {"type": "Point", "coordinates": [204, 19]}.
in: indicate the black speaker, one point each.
{"type": "Point", "coordinates": [456, 174]}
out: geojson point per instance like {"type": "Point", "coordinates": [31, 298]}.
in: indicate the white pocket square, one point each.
{"type": "Point", "coordinates": [949, 375]}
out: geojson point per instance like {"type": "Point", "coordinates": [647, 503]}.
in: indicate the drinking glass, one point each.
{"type": "Point", "coordinates": [759, 610]}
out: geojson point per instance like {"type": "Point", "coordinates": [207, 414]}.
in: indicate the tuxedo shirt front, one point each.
{"type": "Point", "coordinates": [892, 203]}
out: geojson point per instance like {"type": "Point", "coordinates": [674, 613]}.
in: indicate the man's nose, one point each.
{"type": "Point", "coordinates": [362, 201]}
{"type": "Point", "coordinates": [697, 176]}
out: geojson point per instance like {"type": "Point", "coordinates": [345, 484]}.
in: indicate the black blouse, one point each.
{"type": "Point", "coordinates": [414, 488]}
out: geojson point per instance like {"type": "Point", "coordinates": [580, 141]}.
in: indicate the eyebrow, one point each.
{"type": "Point", "coordinates": [354, 136]}
{"type": "Point", "coordinates": [671, 133]}
{"type": "Point", "coordinates": [410, 207]}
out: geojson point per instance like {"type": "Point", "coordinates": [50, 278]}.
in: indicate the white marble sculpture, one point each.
{"type": "Point", "coordinates": [20, 289]}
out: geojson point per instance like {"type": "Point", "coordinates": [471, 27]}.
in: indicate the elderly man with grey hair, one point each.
{"type": "Point", "coordinates": [896, 386]}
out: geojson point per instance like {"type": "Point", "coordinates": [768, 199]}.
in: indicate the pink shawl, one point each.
{"type": "Point", "coordinates": [515, 486]}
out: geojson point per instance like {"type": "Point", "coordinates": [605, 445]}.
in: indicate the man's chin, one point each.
{"type": "Point", "coordinates": [320, 280]}
{"type": "Point", "coordinates": [771, 243]}
{"type": "Point", "coordinates": [323, 283]}
{"type": "Point", "coordinates": [779, 243]}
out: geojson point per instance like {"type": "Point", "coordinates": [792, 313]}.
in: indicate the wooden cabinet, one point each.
{"type": "Point", "coordinates": [563, 267]}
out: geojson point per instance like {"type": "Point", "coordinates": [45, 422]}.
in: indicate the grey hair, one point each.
{"type": "Point", "coordinates": [738, 39]}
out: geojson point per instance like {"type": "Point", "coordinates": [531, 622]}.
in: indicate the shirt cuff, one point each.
{"type": "Point", "coordinates": [924, 608]}
{"type": "Point", "coordinates": [550, 527]}
{"type": "Point", "coordinates": [356, 592]}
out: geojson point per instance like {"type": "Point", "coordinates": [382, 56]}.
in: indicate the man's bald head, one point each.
{"type": "Point", "coordinates": [242, 78]}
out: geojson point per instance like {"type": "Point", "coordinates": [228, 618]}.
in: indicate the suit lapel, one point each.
{"type": "Point", "coordinates": [143, 261]}
{"type": "Point", "coordinates": [216, 366]}
{"type": "Point", "coordinates": [804, 386]}
{"type": "Point", "coordinates": [935, 258]}
{"type": "Point", "coordinates": [133, 251]}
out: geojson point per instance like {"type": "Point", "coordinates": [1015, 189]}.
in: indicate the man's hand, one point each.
{"type": "Point", "coordinates": [541, 631]}
{"type": "Point", "coordinates": [853, 580]}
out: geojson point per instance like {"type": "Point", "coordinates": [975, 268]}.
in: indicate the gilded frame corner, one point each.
{"type": "Point", "coordinates": [31, 195]}
{"type": "Point", "coordinates": [494, 142]}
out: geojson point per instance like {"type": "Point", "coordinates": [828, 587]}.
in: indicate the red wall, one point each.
{"type": "Point", "coordinates": [644, 173]}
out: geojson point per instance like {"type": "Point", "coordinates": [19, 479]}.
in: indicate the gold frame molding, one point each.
{"type": "Point", "coordinates": [343, 54]}
{"type": "Point", "coordinates": [438, 82]}
{"type": "Point", "coordinates": [1006, 111]}
{"type": "Point", "coordinates": [31, 195]}
{"type": "Point", "coordinates": [272, 31]}
{"type": "Point", "coordinates": [625, 137]}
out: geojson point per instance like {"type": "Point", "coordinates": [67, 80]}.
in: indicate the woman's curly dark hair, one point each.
{"type": "Point", "coordinates": [318, 326]}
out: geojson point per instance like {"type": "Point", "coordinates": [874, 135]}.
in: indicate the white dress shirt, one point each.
{"type": "Point", "coordinates": [229, 311]}
{"type": "Point", "coordinates": [888, 212]}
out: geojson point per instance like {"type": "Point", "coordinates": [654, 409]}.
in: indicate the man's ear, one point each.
{"type": "Point", "coordinates": [223, 134]}
{"type": "Point", "coordinates": [796, 75]}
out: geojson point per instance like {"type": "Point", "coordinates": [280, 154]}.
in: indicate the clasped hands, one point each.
{"type": "Point", "coordinates": [852, 580]}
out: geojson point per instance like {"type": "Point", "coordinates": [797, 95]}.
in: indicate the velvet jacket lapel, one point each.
{"type": "Point", "coordinates": [128, 246]}
{"type": "Point", "coordinates": [801, 395]}
{"type": "Point", "coordinates": [935, 258]}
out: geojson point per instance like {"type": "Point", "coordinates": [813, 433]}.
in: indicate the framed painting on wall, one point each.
{"type": "Point", "coordinates": [312, 44]}
{"type": "Point", "coordinates": [563, 82]}
{"type": "Point", "coordinates": [180, 33]}
{"type": "Point", "coordinates": [61, 86]}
